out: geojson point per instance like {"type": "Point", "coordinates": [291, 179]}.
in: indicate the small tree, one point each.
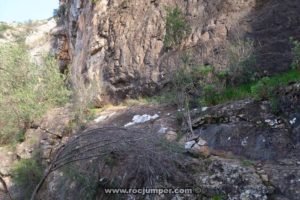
{"type": "Point", "coordinates": [184, 81]}
{"type": "Point", "coordinates": [177, 27]}
{"type": "Point", "coordinates": [241, 61]}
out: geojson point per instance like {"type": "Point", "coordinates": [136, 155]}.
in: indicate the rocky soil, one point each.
{"type": "Point", "coordinates": [250, 129]}
{"type": "Point", "coordinates": [242, 150]}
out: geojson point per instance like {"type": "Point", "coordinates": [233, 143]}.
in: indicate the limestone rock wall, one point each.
{"type": "Point", "coordinates": [118, 44]}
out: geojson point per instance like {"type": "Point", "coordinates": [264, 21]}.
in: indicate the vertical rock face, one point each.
{"type": "Point", "coordinates": [118, 44]}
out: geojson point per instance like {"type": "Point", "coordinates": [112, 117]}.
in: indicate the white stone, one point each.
{"type": "Point", "coordinates": [138, 119]}
{"type": "Point", "coordinates": [100, 119]}
{"type": "Point", "coordinates": [271, 122]}
{"type": "Point", "coordinates": [162, 130]}
{"type": "Point", "coordinates": [201, 142]}
{"type": "Point", "coordinates": [204, 109]}
{"type": "Point", "coordinates": [103, 117]}
{"type": "Point", "coordinates": [189, 144]}
{"type": "Point", "coordinates": [293, 121]}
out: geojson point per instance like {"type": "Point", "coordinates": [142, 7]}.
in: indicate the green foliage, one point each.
{"type": "Point", "coordinates": [217, 197]}
{"type": "Point", "coordinates": [295, 53]}
{"type": "Point", "coordinates": [20, 136]}
{"type": "Point", "coordinates": [177, 27]}
{"type": "Point", "coordinates": [204, 69]}
{"type": "Point", "coordinates": [221, 75]}
{"type": "Point", "coordinates": [3, 28]}
{"type": "Point", "coordinates": [85, 182]}
{"type": "Point", "coordinates": [246, 163]}
{"type": "Point", "coordinates": [171, 146]}
{"type": "Point", "coordinates": [274, 104]}
{"type": "Point", "coordinates": [111, 160]}
{"type": "Point", "coordinates": [261, 89]}
{"type": "Point", "coordinates": [241, 61]}
{"type": "Point", "coordinates": [26, 90]}
{"type": "Point", "coordinates": [167, 97]}
{"type": "Point", "coordinates": [26, 174]}
{"type": "Point", "coordinates": [209, 94]}
{"type": "Point", "coordinates": [184, 81]}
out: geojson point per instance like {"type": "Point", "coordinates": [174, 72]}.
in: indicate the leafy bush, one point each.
{"type": "Point", "coordinates": [295, 53]}
{"type": "Point", "coordinates": [241, 61]}
{"type": "Point", "coordinates": [261, 90]}
{"type": "Point", "coordinates": [26, 174]}
{"type": "Point", "coordinates": [185, 79]}
{"type": "Point", "coordinates": [85, 182]}
{"type": "Point", "coordinates": [204, 69]}
{"type": "Point", "coordinates": [3, 28]}
{"type": "Point", "coordinates": [177, 27]}
{"type": "Point", "coordinates": [209, 94]}
{"type": "Point", "coordinates": [26, 90]}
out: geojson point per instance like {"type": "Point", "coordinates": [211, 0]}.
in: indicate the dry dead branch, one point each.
{"type": "Point", "coordinates": [141, 157]}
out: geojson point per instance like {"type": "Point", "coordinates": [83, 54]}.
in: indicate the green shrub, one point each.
{"type": "Point", "coordinates": [264, 88]}
{"type": "Point", "coordinates": [241, 62]}
{"type": "Point", "coordinates": [261, 89]}
{"type": "Point", "coordinates": [164, 97]}
{"type": "Point", "coordinates": [86, 181]}
{"type": "Point", "coordinates": [3, 28]}
{"type": "Point", "coordinates": [222, 74]}
{"type": "Point", "coordinates": [185, 81]}
{"type": "Point", "coordinates": [204, 69]}
{"type": "Point", "coordinates": [246, 162]}
{"type": "Point", "coordinates": [26, 174]}
{"type": "Point", "coordinates": [274, 104]}
{"type": "Point", "coordinates": [210, 95]}
{"type": "Point", "coordinates": [26, 90]}
{"type": "Point", "coordinates": [295, 53]}
{"type": "Point", "coordinates": [177, 27]}
{"type": "Point", "coordinates": [218, 197]}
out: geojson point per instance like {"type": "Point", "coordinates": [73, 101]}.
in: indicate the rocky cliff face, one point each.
{"type": "Point", "coordinates": [119, 44]}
